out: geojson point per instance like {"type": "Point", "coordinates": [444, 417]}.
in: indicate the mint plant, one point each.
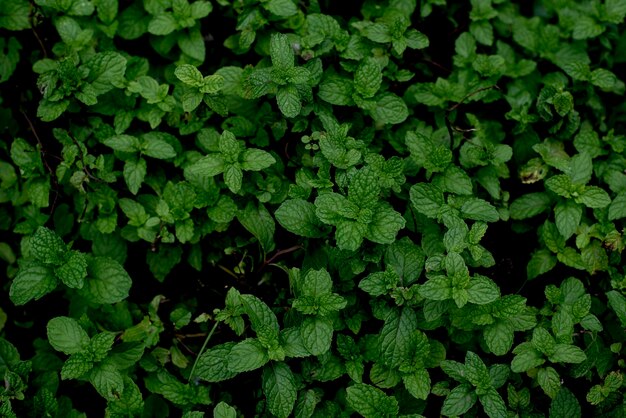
{"type": "Point", "coordinates": [391, 209]}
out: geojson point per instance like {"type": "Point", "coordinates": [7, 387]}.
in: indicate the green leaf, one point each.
{"type": "Point", "coordinates": [189, 75]}
{"type": "Point", "coordinates": [107, 281]}
{"type": "Point", "coordinates": [288, 100]}
{"type": "Point", "coordinates": [493, 404]}
{"type": "Point", "coordinates": [395, 337]}
{"type": "Point", "coordinates": [371, 402]}
{"type": "Point", "coordinates": [233, 177]}
{"type": "Point", "coordinates": [499, 337]}
{"type": "Point", "coordinates": [281, 52]}
{"type": "Point", "coordinates": [134, 174]}
{"type": "Point", "coordinates": [15, 15]}
{"type": "Point", "coordinates": [108, 381]}
{"type": "Point", "coordinates": [617, 302]}
{"type": "Point", "coordinates": [406, 259]}
{"type": "Point", "coordinates": [594, 197]}
{"type": "Point", "coordinates": [390, 109]}
{"type": "Point", "coordinates": [223, 410]}
{"type": "Point", "coordinates": [279, 387]}
{"type": "Point", "coordinates": [550, 381]}
{"type": "Point", "coordinates": [162, 24]}
{"type": "Point", "coordinates": [565, 353]}
{"type": "Point", "coordinates": [283, 8]}
{"type": "Point", "coordinates": [368, 78]}
{"type": "Point", "coordinates": [47, 246]}
{"type": "Point", "coordinates": [33, 281]}
{"type": "Point", "coordinates": [565, 405]}
{"type": "Point", "coordinates": [427, 199]}
{"type": "Point", "coordinates": [73, 272]}
{"type": "Point", "coordinates": [541, 261]}
{"type": "Point", "coordinates": [617, 208]}
{"type": "Point", "coordinates": [212, 365]}
{"type": "Point", "coordinates": [479, 210]}
{"type": "Point", "coordinates": [436, 288]}
{"type": "Point", "coordinates": [123, 143]}
{"type": "Point", "coordinates": [245, 356]}
{"type": "Point", "coordinates": [336, 90]}
{"type": "Point", "coordinates": [259, 223]}
{"type": "Point", "coordinates": [77, 365]}
{"type": "Point", "coordinates": [317, 334]}
{"type": "Point", "coordinates": [256, 160]}
{"type": "Point", "coordinates": [385, 225]}
{"type": "Point", "coordinates": [155, 145]}
{"type": "Point", "coordinates": [417, 384]}
{"type": "Point", "coordinates": [567, 216]}
{"type": "Point", "coordinates": [106, 71]}
{"type": "Point", "coordinates": [580, 168]}
{"type": "Point", "coordinates": [482, 290]}
{"type": "Point", "coordinates": [526, 358]}
{"type": "Point", "coordinates": [459, 401]}
{"type": "Point", "coordinates": [349, 235]}
{"type": "Point", "coordinates": [332, 208]}
{"type": "Point", "coordinates": [66, 335]}
{"type": "Point", "coordinates": [364, 188]}
{"type": "Point", "coordinates": [208, 166]}
{"type": "Point", "coordinates": [298, 216]}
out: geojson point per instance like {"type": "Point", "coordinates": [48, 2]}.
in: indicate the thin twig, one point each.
{"type": "Point", "coordinates": [208, 337]}
{"type": "Point", "coordinates": [43, 153]}
{"type": "Point", "coordinates": [279, 253]}
{"type": "Point", "coordinates": [453, 108]}
{"type": "Point", "coordinates": [32, 26]}
{"type": "Point", "coordinates": [82, 160]}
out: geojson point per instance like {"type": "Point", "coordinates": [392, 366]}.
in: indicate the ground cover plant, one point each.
{"type": "Point", "coordinates": [312, 208]}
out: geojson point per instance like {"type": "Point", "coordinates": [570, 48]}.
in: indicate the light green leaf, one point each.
{"type": "Point", "coordinates": [332, 208]}
{"type": "Point", "coordinates": [482, 290]}
{"type": "Point", "coordinates": [66, 335]}
{"type": "Point", "coordinates": [154, 145]}
{"type": "Point", "coordinates": [526, 358]}
{"type": "Point", "coordinates": [594, 197]}
{"type": "Point", "coordinates": [390, 109]}
{"type": "Point", "coordinates": [281, 52]}
{"type": "Point", "coordinates": [385, 225]}
{"type": "Point", "coordinates": [47, 246]}
{"type": "Point", "coordinates": [427, 199]}
{"type": "Point", "coordinates": [436, 288]}
{"type": "Point", "coordinates": [15, 15]}
{"type": "Point", "coordinates": [107, 281]}
{"type": "Point", "coordinates": [493, 404]}
{"type": "Point", "coordinates": [580, 168]}
{"type": "Point", "coordinates": [279, 387]}
{"type": "Point", "coordinates": [617, 208]}
{"type": "Point", "coordinates": [246, 355]}
{"type": "Point", "coordinates": [479, 210]}
{"type": "Point", "coordinates": [298, 216]}
{"type": "Point", "coordinates": [134, 174]}
{"type": "Point", "coordinates": [33, 281]}
{"type": "Point", "coordinates": [73, 272]}
{"type": "Point", "coordinates": [567, 216]}
{"type": "Point", "coordinates": [288, 100]}
{"type": "Point", "coordinates": [566, 353]}
{"type": "Point", "coordinates": [364, 188]}
{"type": "Point", "coordinates": [76, 365]}
{"type": "Point", "coordinates": [223, 410]}
{"type": "Point", "coordinates": [208, 166]}
{"type": "Point", "coordinates": [162, 24]}
{"type": "Point", "coordinates": [233, 177]}
{"type": "Point", "coordinates": [459, 401]}
{"type": "Point", "coordinates": [406, 259]}
{"type": "Point", "coordinates": [336, 90]}
{"type": "Point", "coordinates": [283, 8]}
{"type": "Point", "coordinates": [371, 402]}
{"type": "Point", "coordinates": [368, 77]}
{"type": "Point", "coordinates": [255, 160]}
{"type": "Point", "coordinates": [349, 235]}
{"type": "Point", "coordinates": [123, 143]}
{"type": "Point", "coordinates": [189, 75]}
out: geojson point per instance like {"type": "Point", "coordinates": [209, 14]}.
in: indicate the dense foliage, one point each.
{"type": "Point", "coordinates": [312, 208]}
